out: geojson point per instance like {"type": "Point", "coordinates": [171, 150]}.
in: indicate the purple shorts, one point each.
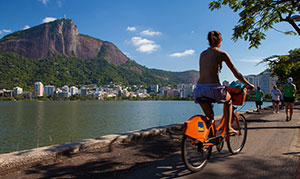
{"type": "Point", "coordinates": [214, 91]}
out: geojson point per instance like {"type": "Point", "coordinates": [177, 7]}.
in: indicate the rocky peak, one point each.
{"type": "Point", "coordinates": [59, 37]}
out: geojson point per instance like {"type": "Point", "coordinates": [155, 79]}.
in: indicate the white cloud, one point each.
{"type": "Point", "coordinates": [144, 45]}
{"type": "Point", "coordinates": [256, 60]}
{"type": "Point", "coordinates": [185, 53]}
{"type": "Point", "coordinates": [49, 19]}
{"type": "Point", "coordinates": [150, 33]}
{"type": "Point", "coordinates": [26, 27]}
{"type": "Point", "coordinates": [132, 29]}
{"type": "Point", "coordinates": [44, 2]}
{"type": "Point", "coordinates": [6, 30]}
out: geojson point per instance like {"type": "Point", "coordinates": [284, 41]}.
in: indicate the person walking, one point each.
{"type": "Point", "coordinates": [275, 99]}
{"type": "Point", "coordinates": [259, 94]}
{"type": "Point", "coordinates": [289, 98]}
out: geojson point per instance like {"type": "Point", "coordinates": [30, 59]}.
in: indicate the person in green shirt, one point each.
{"type": "Point", "coordinates": [259, 94]}
{"type": "Point", "coordinates": [289, 97]}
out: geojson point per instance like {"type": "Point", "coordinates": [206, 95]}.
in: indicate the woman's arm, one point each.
{"type": "Point", "coordinates": [235, 72]}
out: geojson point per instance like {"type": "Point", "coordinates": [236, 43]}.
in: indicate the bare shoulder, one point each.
{"type": "Point", "coordinates": [224, 55]}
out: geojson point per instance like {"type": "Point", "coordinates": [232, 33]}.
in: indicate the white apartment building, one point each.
{"type": "Point", "coordinates": [17, 91]}
{"type": "Point", "coordinates": [264, 80]}
{"type": "Point", "coordinates": [188, 90]}
{"type": "Point", "coordinates": [144, 91]}
{"type": "Point", "coordinates": [49, 90]}
{"type": "Point", "coordinates": [154, 89]}
{"type": "Point", "coordinates": [73, 90]}
{"type": "Point", "coordinates": [38, 89]}
{"type": "Point", "coordinates": [253, 79]}
{"type": "Point", "coordinates": [165, 91]}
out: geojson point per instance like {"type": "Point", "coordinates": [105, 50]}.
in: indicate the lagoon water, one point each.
{"type": "Point", "coordinates": [30, 124]}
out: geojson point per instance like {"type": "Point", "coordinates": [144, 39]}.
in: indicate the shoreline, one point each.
{"type": "Point", "coordinates": [31, 157]}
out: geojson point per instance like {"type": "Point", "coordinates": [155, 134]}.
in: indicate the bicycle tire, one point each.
{"type": "Point", "coordinates": [194, 155]}
{"type": "Point", "coordinates": [236, 143]}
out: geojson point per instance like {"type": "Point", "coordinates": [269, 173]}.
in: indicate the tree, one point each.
{"type": "Point", "coordinates": [258, 16]}
{"type": "Point", "coordinates": [285, 66]}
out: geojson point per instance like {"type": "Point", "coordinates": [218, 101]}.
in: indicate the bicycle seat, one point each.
{"type": "Point", "coordinates": [205, 100]}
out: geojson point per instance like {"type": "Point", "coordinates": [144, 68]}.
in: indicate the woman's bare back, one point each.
{"type": "Point", "coordinates": [210, 63]}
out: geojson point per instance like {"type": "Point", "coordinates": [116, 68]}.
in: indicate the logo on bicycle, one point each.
{"type": "Point", "coordinates": [200, 127]}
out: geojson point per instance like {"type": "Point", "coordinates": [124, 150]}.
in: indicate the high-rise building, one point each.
{"type": "Point", "coordinates": [264, 80]}
{"type": "Point", "coordinates": [38, 89]}
{"type": "Point", "coordinates": [49, 90]}
{"type": "Point", "coordinates": [253, 79]}
{"type": "Point", "coordinates": [17, 91]}
{"type": "Point", "coordinates": [154, 89]}
{"type": "Point", "coordinates": [73, 90]}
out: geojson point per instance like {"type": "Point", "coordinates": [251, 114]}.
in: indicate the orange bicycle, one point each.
{"type": "Point", "coordinates": [200, 134]}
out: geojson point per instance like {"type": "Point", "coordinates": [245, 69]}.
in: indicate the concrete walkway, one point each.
{"type": "Point", "coordinates": [272, 149]}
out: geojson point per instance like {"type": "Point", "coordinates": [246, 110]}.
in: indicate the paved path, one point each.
{"type": "Point", "coordinates": [272, 151]}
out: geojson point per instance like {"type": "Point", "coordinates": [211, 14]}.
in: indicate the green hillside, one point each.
{"type": "Point", "coordinates": [16, 70]}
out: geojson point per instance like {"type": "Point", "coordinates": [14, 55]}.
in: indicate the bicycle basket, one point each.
{"type": "Point", "coordinates": [238, 93]}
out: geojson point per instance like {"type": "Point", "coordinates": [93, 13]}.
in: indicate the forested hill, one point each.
{"type": "Point", "coordinates": [56, 54]}
{"type": "Point", "coordinates": [17, 70]}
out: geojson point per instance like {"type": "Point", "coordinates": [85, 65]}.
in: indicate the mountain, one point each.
{"type": "Point", "coordinates": [59, 37]}
{"type": "Point", "coordinates": [55, 53]}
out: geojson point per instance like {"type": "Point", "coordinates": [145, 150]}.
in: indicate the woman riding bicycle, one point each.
{"type": "Point", "coordinates": [209, 84]}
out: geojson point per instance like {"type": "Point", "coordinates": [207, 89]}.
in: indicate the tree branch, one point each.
{"type": "Point", "coordinates": [292, 22]}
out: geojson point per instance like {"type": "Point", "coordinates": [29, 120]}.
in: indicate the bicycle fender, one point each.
{"type": "Point", "coordinates": [197, 128]}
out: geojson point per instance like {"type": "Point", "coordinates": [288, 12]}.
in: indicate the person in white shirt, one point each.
{"type": "Point", "coordinates": [275, 98]}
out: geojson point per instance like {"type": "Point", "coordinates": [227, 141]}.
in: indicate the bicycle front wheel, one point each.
{"type": "Point", "coordinates": [194, 154]}
{"type": "Point", "coordinates": [236, 142]}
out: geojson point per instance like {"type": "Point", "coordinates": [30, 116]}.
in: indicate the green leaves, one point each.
{"type": "Point", "coordinates": [258, 16]}
{"type": "Point", "coordinates": [286, 65]}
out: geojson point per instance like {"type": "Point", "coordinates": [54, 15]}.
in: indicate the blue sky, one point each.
{"type": "Point", "coordinates": [161, 34]}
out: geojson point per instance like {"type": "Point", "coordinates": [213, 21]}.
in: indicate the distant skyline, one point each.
{"type": "Point", "coordinates": [161, 34]}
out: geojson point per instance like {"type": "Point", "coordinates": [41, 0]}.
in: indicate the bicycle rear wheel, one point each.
{"type": "Point", "coordinates": [194, 154]}
{"type": "Point", "coordinates": [236, 143]}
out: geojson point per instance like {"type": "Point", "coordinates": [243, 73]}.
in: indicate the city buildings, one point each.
{"type": "Point", "coordinates": [38, 89]}
{"type": "Point", "coordinates": [17, 91]}
{"type": "Point", "coordinates": [73, 90]}
{"type": "Point", "coordinates": [49, 90]}
{"type": "Point", "coordinates": [264, 80]}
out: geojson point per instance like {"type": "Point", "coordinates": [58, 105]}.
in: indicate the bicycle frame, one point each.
{"type": "Point", "coordinates": [223, 127]}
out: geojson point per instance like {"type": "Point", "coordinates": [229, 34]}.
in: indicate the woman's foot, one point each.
{"type": "Point", "coordinates": [287, 118]}
{"type": "Point", "coordinates": [232, 132]}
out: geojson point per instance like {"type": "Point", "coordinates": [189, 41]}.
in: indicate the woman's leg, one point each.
{"type": "Point", "coordinates": [227, 111]}
{"type": "Point", "coordinates": [287, 110]}
{"type": "Point", "coordinates": [277, 107]}
{"type": "Point", "coordinates": [207, 109]}
{"type": "Point", "coordinates": [291, 110]}
{"type": "Point", "coordinates": [273, 106]}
